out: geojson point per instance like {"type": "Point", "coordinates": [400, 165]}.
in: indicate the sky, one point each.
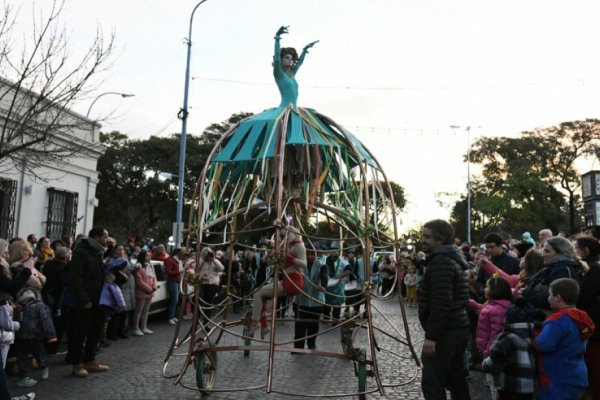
{"type": "Point", "coordinates": [397, 74]}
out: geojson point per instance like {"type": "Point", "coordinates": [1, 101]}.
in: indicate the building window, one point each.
{"type": "Point", "coordinates": [8, 201]}
{"type": "Point", "coordinates": [62, 214]}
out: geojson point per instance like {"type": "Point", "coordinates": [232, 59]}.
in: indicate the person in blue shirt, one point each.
{"type": "Point", "coordinates": [561, 344]}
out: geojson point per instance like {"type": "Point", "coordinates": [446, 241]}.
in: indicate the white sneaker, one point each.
{"type": "Point", "coordinates": [28, 396]}
{"type": "Point", "coordinates": [26, 382]}
{"type": "Point", "coordinates": [45, 373]}
{"type": "Point", "coordinates": [137, 332]}
{"type": "Point", "coordinates": [187, 317]}
{"type": "Point", "coordinates": [147, 331]}
{"type": "Point", "coordinates": [172, 321]}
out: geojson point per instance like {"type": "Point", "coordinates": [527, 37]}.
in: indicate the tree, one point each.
{"type": "Point", "coordinates": [530, 182]}
{"type": "Point", "coordinates": [134, 197]}
{"type": "Point", "coordinates": [39, 83]}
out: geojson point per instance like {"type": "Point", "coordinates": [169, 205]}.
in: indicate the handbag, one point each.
{"type": "Point", "coordinates": [6, 337]}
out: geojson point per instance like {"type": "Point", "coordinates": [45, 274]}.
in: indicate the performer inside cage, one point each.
{"type": "Point", "coordinates": [294, 261]}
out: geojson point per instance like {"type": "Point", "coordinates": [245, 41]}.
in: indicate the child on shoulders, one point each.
{"type": "Point", "coordinates": [561, 344]}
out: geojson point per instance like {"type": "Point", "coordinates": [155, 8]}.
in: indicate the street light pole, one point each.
{"type": "Point", "coordinates": [183, 115]}
{"type": "Point", "coordinates": [123, 95]}
{"type": "Point", "coordinates": [468, 129]}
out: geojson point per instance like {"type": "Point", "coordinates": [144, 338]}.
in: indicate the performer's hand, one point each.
{"type": "Point", "coordinates": [428, 348]}
{"type": "Point", "coordinates": [282, 30]}
{"type": "Point", "coordinates": [308, 46]}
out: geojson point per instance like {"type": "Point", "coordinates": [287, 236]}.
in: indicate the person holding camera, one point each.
{"type": "Point", "coordinates": [210, 272]}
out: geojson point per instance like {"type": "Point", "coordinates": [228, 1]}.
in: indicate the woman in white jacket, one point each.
{"type": "Point", "coordinates": [210, 272]}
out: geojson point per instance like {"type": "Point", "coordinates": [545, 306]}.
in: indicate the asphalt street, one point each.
{"type": "Point", "coordinates": [136, 366]}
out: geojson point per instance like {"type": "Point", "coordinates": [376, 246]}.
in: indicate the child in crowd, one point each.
{"type": "Point", "coordinates": [410, 280]}
{"type": "Point", "coordinates": [491, 319]}
{"type": "Point", "coordinates": [36, 325]}
{"type": "Point", "coordinates": [561, 344]}
{"type": "Point", "coordinates": [511, 359]}
{"type": "Point", "coordinates": [145, 286]}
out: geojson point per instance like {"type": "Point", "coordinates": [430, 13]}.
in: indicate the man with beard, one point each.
{"type": "Point", "coordinates": [442, 314]}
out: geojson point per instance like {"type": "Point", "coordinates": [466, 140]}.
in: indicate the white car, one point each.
{"type": "Point", "coordinates": [160, 300]}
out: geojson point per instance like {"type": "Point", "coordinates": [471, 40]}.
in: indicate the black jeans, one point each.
{"type": "Point", "coordinates": [84, 329]}
{"type": "Point", "coordinates": [332, 311]}
{"type": "Point", "coordinates": [307, 328]}
{"type": "Point", "coordinates": [4, 390]}
{"type": "Point", "coordinates": [208, 293]}
{"type": "Point", "coordinates": [25, 347]}
{"type": "Point", "coordinates": [445, 370]}
{"type": "Point", "coordinates": [354, 298]}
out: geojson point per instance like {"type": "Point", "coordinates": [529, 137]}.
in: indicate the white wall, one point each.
{"type": "Point", "coordinates": [76, 174]}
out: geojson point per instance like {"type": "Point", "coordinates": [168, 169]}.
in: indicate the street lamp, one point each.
{"type": "Point", "coordinates": [468, 129]}
{"type": "Point", "coordinates": [183, 114]}
{"type": "Point", "coordinates": [123, 95]}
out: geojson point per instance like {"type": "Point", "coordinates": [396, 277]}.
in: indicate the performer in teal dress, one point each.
{"type": "Point", "coordinates": [308, 151]}
{"type": "Point", "coordinates": [285, 66]}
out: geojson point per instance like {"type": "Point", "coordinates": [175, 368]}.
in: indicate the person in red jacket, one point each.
{"type": "Point", "coordinates": [174, 270]}
{"type": "Point", "coordinates": [294, 262]}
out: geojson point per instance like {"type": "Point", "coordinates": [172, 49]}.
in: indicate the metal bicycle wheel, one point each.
{"type": "Point", "coordinates": [206, 368]}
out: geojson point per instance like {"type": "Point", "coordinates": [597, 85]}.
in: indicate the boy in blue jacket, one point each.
{"type": "Point", "coordinates": [561, 344]}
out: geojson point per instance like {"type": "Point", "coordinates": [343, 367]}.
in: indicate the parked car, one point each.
{"type": "Point", "coordinates": [160, 300]}
{"type": "Point", "coordinates": [378, 254]}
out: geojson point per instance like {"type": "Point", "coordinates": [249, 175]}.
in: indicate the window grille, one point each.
{"type": "Point", "coordinates": [62, 214]}
{"type": "Point", "coordinates": [8, 201]}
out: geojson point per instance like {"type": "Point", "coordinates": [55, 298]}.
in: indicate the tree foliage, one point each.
{"type": "Point", "coordinates": [529, 182]}
{"type": "Point", "coordinates": [135, 198]}
{"type": "Point", "coordinates": [40, 82]}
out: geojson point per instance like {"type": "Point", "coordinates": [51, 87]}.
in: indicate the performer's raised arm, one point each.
{"type": "Point", "coordinates": [301, 58]}
{"type": "Point", "coordinates": [277, 56]}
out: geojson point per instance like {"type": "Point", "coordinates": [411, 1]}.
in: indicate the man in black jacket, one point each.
{"type": "Point", "coordinates": [442, 314]}
{"type": "Point", "coordinates": [86, 278]}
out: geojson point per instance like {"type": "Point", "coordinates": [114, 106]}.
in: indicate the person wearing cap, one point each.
{"type": "Point", "coordinates": [36, 325]}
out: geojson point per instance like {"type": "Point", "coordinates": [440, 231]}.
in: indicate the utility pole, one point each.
{"type": "Point", "coordinates": [468, 129]}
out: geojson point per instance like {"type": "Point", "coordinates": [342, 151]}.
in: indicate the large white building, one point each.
{"type": "Point", "coordinates": [52, 197]}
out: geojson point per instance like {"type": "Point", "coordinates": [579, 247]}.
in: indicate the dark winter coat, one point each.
{"type": "Point", "coordinates": [589, 296]}
{"type": "Point", "coordinates": [86, 273]}
{"type": "Point", "coordinates": [444, 294]}
{"type": "Point", "coordinates": [537, 289]}
{"type": "Point", "coordinates": [511, 359]}
{"type": "Point", "coordinates": [37, 322]}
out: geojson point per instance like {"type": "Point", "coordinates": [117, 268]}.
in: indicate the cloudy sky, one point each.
{"type": "Point", "coordinates": [396, 73]}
